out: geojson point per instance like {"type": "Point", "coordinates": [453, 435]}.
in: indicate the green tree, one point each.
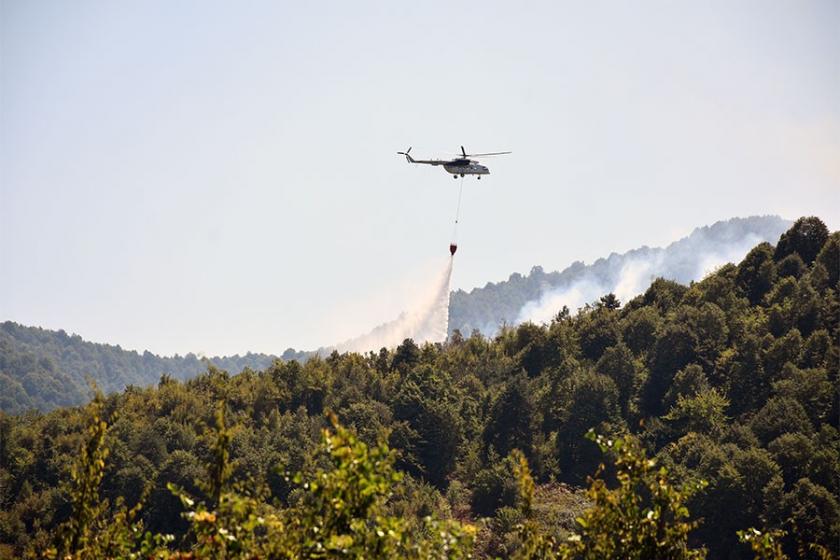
{"type": "Point", "coordinates": [94, 529]}
{"type": "Point", "coordinates": [812, 388]}
{"type": "Point", "coordinates": [673, 350]}
{"type": "Point", "coordinates": [609, 301]}
{"type": "Point", "coordinates": [688, 382]}
{"type": "Point", "coordinates": [618, 363]}
{"type": "Point", "coordinates": [757, 272]}
{"type": "Point", "coordinates": [710, 328]}
{"type": "Point", "coordinates": [702, 413]}
{"type": "Point", "coordinates": [86, 475]}
{"type": "Point", "coordinates": [496, 486]}
{"type": "Point", "coordinates": [406, 356]}
{"type": "Point", "coordinates": [829, 257]}
{"type": "Point", "coordinates": [816, 350]}
{"type": "Point", "coordinates": [740, 371]}
{"type": "Point", "coordinates": [530, 348]}
{"type": "Point", "coordinates": [639, 328]}
{"type": "Point", "coordinates": [512, 423]}
{"type": "Point", "coordinates": [781, 415]}
{"type": "Point", "coordinates": [598, 330]}
{"type": "Point", "coordinates": [805, 238]}
{"type": "Point", "coordinates": [812, 514]}
{"type": "Point", "coordinates": [793, 453]}
{"type": "Point", "coordinates": [644, 517]}
{"type": "Point", "coordinates": [784, 350]}
{"type": "Point", "coordinates": [582, 401]}
{"type": "Point", "coordinates": [792, 266]}
{"type": "Point", "coordinates": [427, 404]}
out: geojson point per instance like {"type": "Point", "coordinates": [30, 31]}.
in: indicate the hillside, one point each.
{"type": "Point", "coordinates": [731, 381]}
{"type": "Point", "coordinates": [44, 369]}
{"type": "Point", "coordinates": [539, 294]}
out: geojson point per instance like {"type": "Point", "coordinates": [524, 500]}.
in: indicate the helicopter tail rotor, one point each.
{"type": "Point", "coordinates": [408, 158]}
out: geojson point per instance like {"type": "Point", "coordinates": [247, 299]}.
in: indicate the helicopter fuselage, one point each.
{"type": "Point", "coordinates": [465, 167]}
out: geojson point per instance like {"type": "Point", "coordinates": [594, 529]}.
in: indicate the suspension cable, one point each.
{"type": "Point", "coordinates": [458, 211]}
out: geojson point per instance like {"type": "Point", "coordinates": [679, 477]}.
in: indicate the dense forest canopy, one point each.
{"type": "Point", "coordinates": [729, 383]}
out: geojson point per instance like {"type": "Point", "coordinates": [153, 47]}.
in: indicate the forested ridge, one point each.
{"type": "Point", "coordinates": [715, 407]}
{"type": "Point", "coordinates": [44, 369]}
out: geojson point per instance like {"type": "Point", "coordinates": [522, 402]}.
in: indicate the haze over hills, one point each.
{"type": "Point", "coordinates": [44, 369]}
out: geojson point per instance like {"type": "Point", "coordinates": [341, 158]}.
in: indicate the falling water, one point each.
{"type": "Point", "coordinates": [425, 321]}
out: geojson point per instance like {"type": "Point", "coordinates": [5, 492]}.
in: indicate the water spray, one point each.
{"type": "Point", "coordinates": [426, 319]}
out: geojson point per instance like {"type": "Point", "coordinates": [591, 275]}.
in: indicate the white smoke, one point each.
{"type": "Point", "coordinates": [426, 320]}
{"type": "Point", "coordinates": [630, 275]}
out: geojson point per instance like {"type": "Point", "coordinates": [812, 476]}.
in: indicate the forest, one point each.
{"type": "Point", "coordinates": [44, 369]}
{"type": "Point", "coordinates": [693, 421]}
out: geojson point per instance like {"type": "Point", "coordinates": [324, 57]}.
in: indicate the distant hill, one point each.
{"type": "Point", "coordinates": [539, 295]}
{"type": "Point", "coordinates": [45, 369]}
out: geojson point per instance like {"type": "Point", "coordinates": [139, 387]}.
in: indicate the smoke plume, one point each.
{"type": "Point", "coordinates": [629, 275]}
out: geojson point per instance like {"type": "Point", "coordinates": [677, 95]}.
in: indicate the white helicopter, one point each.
{"type": "Point", "coordinates": [459, 166]}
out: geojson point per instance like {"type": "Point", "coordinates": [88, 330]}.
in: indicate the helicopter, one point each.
{"type": "Point", "coordinates": [459, 166]}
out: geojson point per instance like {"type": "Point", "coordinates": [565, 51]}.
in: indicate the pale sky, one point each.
{"type": "Point", "coordinates": [220, 177]}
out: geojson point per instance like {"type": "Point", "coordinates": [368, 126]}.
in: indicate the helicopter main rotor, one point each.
{"type": "Point", "coordinates": [465, 155]}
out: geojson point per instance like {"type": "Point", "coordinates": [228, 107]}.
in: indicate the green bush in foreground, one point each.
{"type": "Point", "coordinates": [340, 513]}
{"type": "Point", "coordinates": [643, 517]}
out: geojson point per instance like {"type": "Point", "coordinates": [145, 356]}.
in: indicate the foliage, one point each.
{"type": "Point", "coordinates": [805, 238]}
{"type": "Point", "coordinates": [340, 513]}
{"type": "Point", "coordinates": [45, 369]}
{"type": "Point", "coordinates": [765, 545]}
{"type": "Point", "coordinates": [644, 517]}
{"type": "Point", "coordinates": [93, 531]}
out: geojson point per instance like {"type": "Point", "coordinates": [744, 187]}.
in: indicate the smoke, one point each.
{"type": "Point", "coordinates": [426, 320]}
{"type": "Point", "coordinates": [629, 275]}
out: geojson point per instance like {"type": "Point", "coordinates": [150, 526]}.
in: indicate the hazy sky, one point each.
{"type": "Point", "coordinates": [220, 177]}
